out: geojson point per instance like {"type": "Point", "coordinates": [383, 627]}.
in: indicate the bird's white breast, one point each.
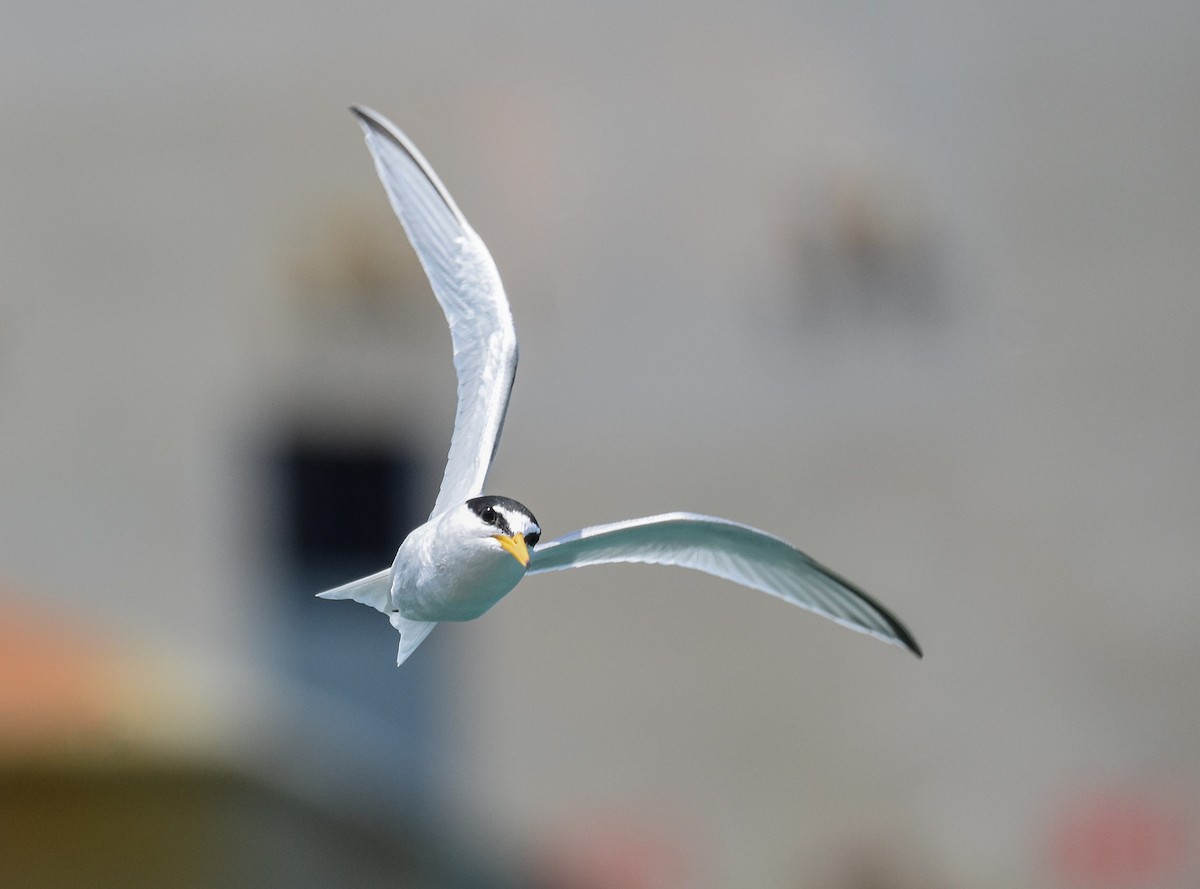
{"type": "Point", "coordinates": [440, 575]}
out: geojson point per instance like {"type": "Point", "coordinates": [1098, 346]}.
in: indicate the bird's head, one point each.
{"type": "Point", "coordinates": [509, 525]}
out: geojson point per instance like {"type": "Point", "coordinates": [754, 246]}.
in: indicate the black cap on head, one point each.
{"type": "Point", "coordinates": [491, 509]}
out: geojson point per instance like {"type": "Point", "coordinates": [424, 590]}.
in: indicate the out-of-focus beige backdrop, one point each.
{"type": "Point", "coordinates": [913, 287]}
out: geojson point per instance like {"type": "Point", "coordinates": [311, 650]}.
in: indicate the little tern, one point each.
{"type": "Point", "coordinates": [475, 548]}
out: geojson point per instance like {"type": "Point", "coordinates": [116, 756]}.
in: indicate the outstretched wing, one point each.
{"type": "Point", "coordinates": [733, 551]}
{"type": "Point", "coordinates": [467, 285]}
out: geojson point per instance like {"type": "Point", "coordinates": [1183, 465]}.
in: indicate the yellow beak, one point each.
{"type": "Point", "coordinates": [515, 546]}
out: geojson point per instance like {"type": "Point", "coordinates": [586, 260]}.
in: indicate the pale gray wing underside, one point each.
{"type": "Point", "coordinates": [467, 285]}
{"type": "Point", "coordinates": [732, 551]}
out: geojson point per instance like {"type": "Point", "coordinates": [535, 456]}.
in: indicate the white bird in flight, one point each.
{"type": "Point", "coordinates": [475, 548]}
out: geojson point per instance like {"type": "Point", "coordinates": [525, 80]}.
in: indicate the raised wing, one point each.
{"type": "Point", "coordinates": [467, 285]}
{"type": "Point", "coordinates": [733, 551]}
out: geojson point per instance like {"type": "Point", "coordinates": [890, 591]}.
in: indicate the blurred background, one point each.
{"type": "Point", "coordinates": [913, 286]}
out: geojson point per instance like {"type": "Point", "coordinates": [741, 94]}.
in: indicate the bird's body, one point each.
{"type": "Point", "coordinates": [475, 548]}
{"type": "Point", "coordinates": [446, 569]}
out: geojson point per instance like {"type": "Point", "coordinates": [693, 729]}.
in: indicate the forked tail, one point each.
{"type": "Point", "coordinates": [412, 633]}
{"type": "Point", "coordinates": [375, 591]}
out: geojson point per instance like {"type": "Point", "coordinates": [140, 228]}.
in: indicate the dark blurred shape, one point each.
{"type": "Point", "coordinates": [350, 270]}
{"type": "Point", "coordinates": [189, 827]}
{"type": "Point", "coordinates": [866, 256]}
{"type": "Point", "coordinates": [345, 501]}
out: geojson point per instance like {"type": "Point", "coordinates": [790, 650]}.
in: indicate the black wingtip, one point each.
{"type": "Point", "coordinates": [903, 636]}
{"type": "Point", "coordinates": [375, 123]}
{"type": "Point", "coordinates": [369, 117]}
{"type": "Point", "coordinates": [900, 633]}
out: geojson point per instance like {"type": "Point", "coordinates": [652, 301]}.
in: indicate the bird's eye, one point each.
{"type": "Point", "coordinates": [488, 515]}
{"type": "Point", "coordinates": [532, 538]}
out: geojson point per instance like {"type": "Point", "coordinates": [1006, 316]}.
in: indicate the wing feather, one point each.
{"type": "Point", "coordinates": [467, 286]}
{"type": "Point", "coordinates": [731, 551]}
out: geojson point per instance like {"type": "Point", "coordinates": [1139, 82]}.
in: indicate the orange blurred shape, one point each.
{"type": "Point", "coordinates": [54, 683]}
